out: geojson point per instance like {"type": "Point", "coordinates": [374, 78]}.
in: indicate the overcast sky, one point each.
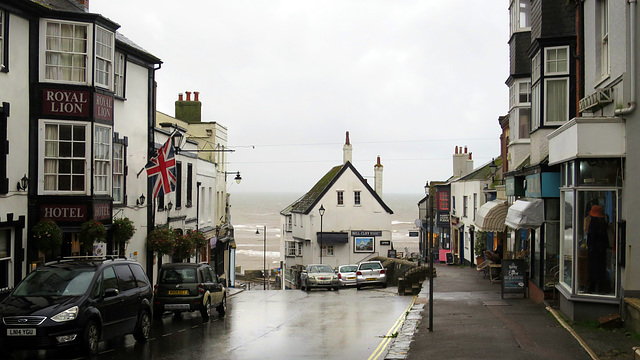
{"type": "Point", "coordinates": [409, 80]}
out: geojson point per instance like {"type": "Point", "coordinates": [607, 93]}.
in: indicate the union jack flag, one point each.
{"type": "Point", "coordinates": [161, 170]}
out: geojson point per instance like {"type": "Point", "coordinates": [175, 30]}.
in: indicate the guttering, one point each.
{"type": "Point", "coordinates": [632, 70]}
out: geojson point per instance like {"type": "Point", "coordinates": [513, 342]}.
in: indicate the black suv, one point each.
{"type": "Point", "coordinates": [188, 287]}
{"type": "Point", "coordinates": [77, 302]}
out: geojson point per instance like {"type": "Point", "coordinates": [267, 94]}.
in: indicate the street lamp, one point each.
{"type": "Point", "coordinates": [238, 178]}
{"type": "Point", "coordinates": [264, 257]}
{"type": "Point", "coordinates": [428, 192]}
{"type": "Point", "coordinates": [321, 211]}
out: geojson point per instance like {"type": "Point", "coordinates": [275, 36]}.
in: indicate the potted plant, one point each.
{"type": "Point", "coordinates": [480, 246]}
{"type": "Point", "coordinates": [47, 235]}
{"type": "Point", "coordinates": [91, 231]}
{"type": "Point", "coordinates": [183, 247]}
{"type": "Point", "coordinates": [199, 241]}
{"type": "Point", "coordinates": [123, 230]}
{"type": "Point", "coordinates": [161, 240]}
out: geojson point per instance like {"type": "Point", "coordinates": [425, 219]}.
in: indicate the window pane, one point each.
{"type": "Point", "coordinates": [567, 240]}
{"type": "Point", "coordinates": [557, 100]}
{"type": "Point", "coordinates": [66, 51]}
{"type": "Point", "coordinates": [523, 126]}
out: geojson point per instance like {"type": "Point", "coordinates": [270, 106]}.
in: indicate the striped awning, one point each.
{"type": "Point", "coordinates": [491, 216]}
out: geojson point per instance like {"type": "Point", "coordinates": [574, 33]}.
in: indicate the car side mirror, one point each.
{"type": "Point", "coordinates": [111, 292]}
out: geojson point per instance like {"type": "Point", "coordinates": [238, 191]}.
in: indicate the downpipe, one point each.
{"type": "Point", "coordinates": [632, 71]}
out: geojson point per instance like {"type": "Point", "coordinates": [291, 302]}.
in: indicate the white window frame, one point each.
{"type": "Point", "coordinates": [3, 39]}
{"type": "Point", "coordinates": [41, 157]}
{"type": "Point", "coordinates": [546, 101]}
{"type": "Point", "coordinates": [104, 55]}
{"type": "Point", "coordinates": [516, 15]}
{"type": "Point", "coordinates": [118, 173]}
{"type": "Point", "coordinates": [298, 248]}
{"type": "Point", "coordinates": [536, 62]}
{"type": "Point", "coordinates": [328, 250]}
{"type": "Point", "coordinates": [340, 197]}
{"type": "Point", "coordinates": [548, 61]}
{"type": "Point", "coordinates": [86, 71]}
{"type": "Point", "coordinates": [517, 90]}
{"type": "Point", "coordinates": [535, 106]}
{"type": "Point", "coordinates": [102, 153]}
{"type": "Point", "coordinates": [290, 248]}
{"type": "Point", "coordinates": [119, 66]}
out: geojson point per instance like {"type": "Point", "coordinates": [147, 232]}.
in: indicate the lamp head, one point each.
{"type": "Point", "coordinates": [24, 183]}
{"type": "Point", "coordinates": [176, 140]}
{"type": "Point", "coordinates": [238, 178]}
{"type": "Point", "coordinates": [169, 205]}
{"type": "Point", "coordinates": [426, 188]}
{"type": "Point", "coordinates": [321, 210]}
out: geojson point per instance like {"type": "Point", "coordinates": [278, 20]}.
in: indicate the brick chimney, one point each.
{"type": "Point", "coordinates": [377, 171]}
{"type": "Point", "coordinates": [84, 4]}
{"type": "Point", "coordinates": [188, 110]}
{"type": "Point", "coordinates": [347, 151]}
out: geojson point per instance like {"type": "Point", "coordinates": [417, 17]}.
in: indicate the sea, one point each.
{"type": "Point", "coordinates": [252, 213]}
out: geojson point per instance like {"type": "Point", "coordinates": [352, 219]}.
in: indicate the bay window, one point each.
{"type": "Point", "coordinates": [65, 154]}
{"type": "Point", "coordinates": [520, 11]}
{"type": "Point", "coordinates": [104, 57]}
{"type": "Point", "coordinates": [102, 159]}
{"type": "Point", "coordinates": [520, 109]}
{"type": "Point", "coordinates": [66, 51]}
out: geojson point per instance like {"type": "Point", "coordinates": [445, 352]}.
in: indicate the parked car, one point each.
{"type": "Point", "coordinates": [319, 276]}
{"type": "Point", "coordinates": [371, 273]}
{"type": "Point", "coordinates": [77, 302]}
{"type": "Point", "coordinates": [347, 275]}
{"type": "Point", "coordinates": [188, 287]}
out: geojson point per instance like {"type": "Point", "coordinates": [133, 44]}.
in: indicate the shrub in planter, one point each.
{"type": "Point", "coordinates": [197, 237]}
{"type": "Point", "coordinates": [183, 247]}
{"type": "Point", "coordinates": [481, 243]}
{"type": "Point", "coordinates": [161, 240]}
{"type": "Point", "coordinates": [47, 235]}
{"type": "Point", "coordinates": [92, 231]}
{"type": "Point", "coordinates": [123, 231]}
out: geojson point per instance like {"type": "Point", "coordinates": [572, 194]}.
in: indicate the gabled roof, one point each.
{"type": "Point", "coordinates": [305, 204]}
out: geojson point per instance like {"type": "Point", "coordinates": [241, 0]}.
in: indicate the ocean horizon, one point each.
{"type": "Point", "coordinates": [251, 212]}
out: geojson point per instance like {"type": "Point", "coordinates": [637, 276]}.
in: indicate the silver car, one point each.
{"type": "Point", "coordinates": [318, 276]}
{"type": "Point", "coordinates": [347, 275]}
{"type": "Point", "coordinates": [371, 273]}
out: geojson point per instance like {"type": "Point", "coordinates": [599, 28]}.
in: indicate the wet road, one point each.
{"type": "Point", "coordinates": [321, 324]}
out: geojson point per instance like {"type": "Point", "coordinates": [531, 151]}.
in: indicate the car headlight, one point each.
{"type": "Point", "coordinates": [67, 315]}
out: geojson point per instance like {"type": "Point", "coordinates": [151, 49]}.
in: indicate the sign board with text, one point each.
{"type": "Point", "coordinates": [514, 276]}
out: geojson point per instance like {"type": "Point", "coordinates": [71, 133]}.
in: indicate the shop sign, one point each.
{"type": "Point", "coordinates": [103, 107]}
{"type": "Point", "coordinates": [65, 102]}
{"type": "Point", "coordinates": [64, 212]}
{"type": "Point", "coordinates": [102, 211]}
{"type": "Point", "coordinates": [385, 242]}
{"type": "Point", "coordinates": [365, 233]}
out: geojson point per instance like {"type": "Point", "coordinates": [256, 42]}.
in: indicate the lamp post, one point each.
{"type": "Point", "coordinates": [321, 211]}
{"type": "Point", "coordinates": [428, 191]}
{"type": "Point", "coordinates": [264, 257]}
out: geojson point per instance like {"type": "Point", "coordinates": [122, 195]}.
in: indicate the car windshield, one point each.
{"type": "Point", "coordinates": [178, 276]}
{"type": "Point", "coordinates": [370, 266]}
{"type": "Point", "coordinates": [320, 269]}
{"type": "Point", "coordinates": [348, 269]}
{"type": "Point", "coordinates": [56, 281]}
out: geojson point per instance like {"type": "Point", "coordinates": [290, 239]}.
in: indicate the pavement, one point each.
{"type": "Point", "coordinates": [472, 321]}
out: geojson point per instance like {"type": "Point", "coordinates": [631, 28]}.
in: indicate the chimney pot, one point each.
{"type": "Point", "coordinates": [456, 149]}
{"type": "Point", "coordinates": [188, 95]}
{"type": "Point", "coordinates": [180, 97]}
{"type": "Point", "coordinates": [347, 140]}
{"type": "Point", "coordinates": [470, 156]}
{"type": "Point", "coordinates": [465, 148]}
{"type": "Point", "coordinates": [378, 160]}
{"type": "Point", "coordinates": [196, 95]}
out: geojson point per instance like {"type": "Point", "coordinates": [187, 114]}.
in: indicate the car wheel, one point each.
{"type": "Point", "coordinates": [91, 338]}
{"type": "Point", "coordinates": [222, 308]}
{"type": "Point", "coordinates": [206, 310]}
{"type": "Point", "coordinates": [143, 328]}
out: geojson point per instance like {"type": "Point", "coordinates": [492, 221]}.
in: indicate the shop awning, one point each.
{"type": "Point", "coordinates": [491, 215]}
{"type": "Point", "coordinates": [333, 238]}
{"type": "Point", "coordinates": [525, 214]}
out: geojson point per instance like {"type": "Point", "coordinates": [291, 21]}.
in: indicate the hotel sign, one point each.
{"type": "Point", "coordinates": [102, 211]}
{"type": "Point", "coordinates": [65, 102]}
{"type": "Point", "coordinates": [365, 233]}
{"type": "Point", "coordinates": [64, 212]}
{"type": "Point", "coordinates": [103, 107]}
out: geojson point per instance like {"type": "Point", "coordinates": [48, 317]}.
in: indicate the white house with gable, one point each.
{"type": "Point", "coordinates": [355, 225]}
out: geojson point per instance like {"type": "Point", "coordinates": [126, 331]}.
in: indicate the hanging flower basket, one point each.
{"type": "Point", "coordinates": [123, 231]}
{"type": "Point", "coordinates": [183, 247]}
{"type": "Point", "coordinates": [47, 235]}
{"type": "Point", "coordinates": [92, 231]}
{"type": "Point", "coordinates": [161, 240]}
{"type": "Point", "coordinates": [197, 237]}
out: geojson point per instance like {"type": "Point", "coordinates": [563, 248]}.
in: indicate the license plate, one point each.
{"type": "Point", "coordinates": [351, 278]}
{"type": "Point", "coordinates": [178, 292]}
{"type": "Point", "coordinates": [371, 279]}
{"type": "Point", "coordinates": [324, 282]}
{"type": "Point", "coordinates": [21, 332]}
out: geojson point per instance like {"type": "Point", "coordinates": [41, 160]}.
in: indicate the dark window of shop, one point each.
{"type": "Point", "coordinates": [189, 185]}
{"type": "Point", "coordinates": [178, 185]}
{"type": "Point", "coordinates": [4, 181]}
